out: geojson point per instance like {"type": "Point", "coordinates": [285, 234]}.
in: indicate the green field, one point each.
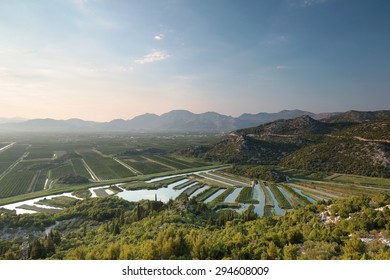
{"type": "Point", "coordinates": [105, 168]}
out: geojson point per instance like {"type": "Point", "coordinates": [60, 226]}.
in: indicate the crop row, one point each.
{"type": "Point", "coordinates": [267, 196]}
{"type": "Point", "coordinates": [246, 196]}
{"type": "Point", "coordinates": [206, 193]}
{"type": "Point", "coordinates": [16, 183]}
{"type": "Point", "coordinates": [188, 192]}
{"type": "Point", "coordinates": [282, 200]}
{"type": "Point", "coordinates": [303, 200]}
{"type": "Point", "coordinates": [221, 198]}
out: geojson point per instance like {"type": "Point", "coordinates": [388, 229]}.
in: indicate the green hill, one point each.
{"type": "Point", "coordinates": [346, 146]}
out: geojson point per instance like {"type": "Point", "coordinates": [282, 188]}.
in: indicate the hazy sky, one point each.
{"type": "Point", "coordinates": [107, 59]}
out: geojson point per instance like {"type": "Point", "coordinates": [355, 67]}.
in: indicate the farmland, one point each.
{"type": "Point", "coordinates": [33, 167]}
{"type": "Point", "coordinates": [32, 163]}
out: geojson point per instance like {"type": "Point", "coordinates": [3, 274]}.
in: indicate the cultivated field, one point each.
{"type": "Point", "coordinates": [32, 163]}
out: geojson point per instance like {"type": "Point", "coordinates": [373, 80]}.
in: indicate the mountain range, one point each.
{"type": "Point", "coordinates": [173, 121]}
{"type": "Point", "coordinates": [180, 121]}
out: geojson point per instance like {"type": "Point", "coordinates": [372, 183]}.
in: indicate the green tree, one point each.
{"type": "Point", "coordinates": [354, 249]}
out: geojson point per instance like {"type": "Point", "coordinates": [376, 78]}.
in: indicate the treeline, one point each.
{"type": "Point", "coordinates": [110, 228]}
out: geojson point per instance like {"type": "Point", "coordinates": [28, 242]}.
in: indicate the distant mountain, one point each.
{"type": "Point", "coordinates": [11, 120]}
{"type": "Point", "coordinates": [51, 125]}
{"type": "Point", "coordinates": [183, 121]}
{"type": "Point", "coordinates": [261, 118]}
{"type": "Point", "coordinates": [177, 120]}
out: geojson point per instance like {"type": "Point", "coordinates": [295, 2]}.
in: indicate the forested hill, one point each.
{"type": "Point", "coordinates": [347, 147]}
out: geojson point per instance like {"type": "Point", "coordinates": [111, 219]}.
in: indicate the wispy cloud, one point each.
{"type": "Point", "coordinates": [153, 57]}
{"type": "Point", "coordinates": [306, 3]}
{"type": "Point", "coordinates": [159, 37]}
{"type": "Point", "coordinates": [81, 5]}
{"type": "Point", "coordinates": [112, 69]}
{"type": "Point", "coordinates": [277, 40]}
{"type": "Point", "coordinates": [280, 67]}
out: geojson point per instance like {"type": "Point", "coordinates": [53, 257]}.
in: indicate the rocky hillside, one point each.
{"type": "Point", "coordinates": [343, 156]}
{"type": "Point", "coordinates": [304, 143]}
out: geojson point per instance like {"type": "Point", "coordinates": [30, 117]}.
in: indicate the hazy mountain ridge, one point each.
{"type": "Point", "coordinates": [354, 116]}
{"type": "Point", "coordinates": [182, 120]}
{"type": "Point", "coordinates": [176, 120]}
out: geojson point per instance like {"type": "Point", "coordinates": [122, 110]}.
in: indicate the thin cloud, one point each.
{"type": "Point", "coordinates": [306, 3]}
{"type": "Point", "coordinates": [159, 37]}
{"type": "Point", "coordinates": [280, 67]}
{"type": "Point", "coordinates": [152, 57]}
{"type": "Point", "coordinates": [81, 5]}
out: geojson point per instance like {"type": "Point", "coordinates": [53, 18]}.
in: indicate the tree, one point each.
{"type": "Point", "coordinates": [290, 252]}
{"type": "Point", "coordinates": [38, 251]}
{"type": "Point", "coordinates": [354, 249]}
{"type": "Point", "coordinates": [272, 251]}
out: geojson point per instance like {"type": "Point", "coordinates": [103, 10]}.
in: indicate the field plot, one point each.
{"type": "Point", "coordinates": [222, 197]}
{"type": "Point", "coordinates": [39, 154]}
{"type": "Point", "coordinates": [281, 199]}
{"type": "Point", "coordinates": [23, 178]}
{"type": "Point", "coordinates": [189, 191]}
{"type": "Point", "coordinates": [144, 165]}
{"type": "Point", "coordinates": [10, 155]}
{"type": "Point", "coordinates": [226, 179]}
{"type": "Point", "coordinates": [60, 171]}
{"type": "Point", "coordinates": [172, 164]}
{"type": "Point", "coordinates": [269, 204]}
{"type": "Point", "coordinates": [339, 190]}
{"type": "Point", "coordinates": [16, 182]}
{"type": "Point", "coordinates": [187, 161]}
{"type": "Point", "coordinates": [246, 196]}
{"type": "Point", "coordinates": [361, 180]}
{"type": "Point", "coordinates": [105, 168]}
{"type": "Point", "coordinates": [79, 168]}
{"type": "Point", "coordinates": [206, 193]}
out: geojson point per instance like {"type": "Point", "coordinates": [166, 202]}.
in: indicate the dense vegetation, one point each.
{"type": "Point", "coordinates": [111, 228]}
{"type": "Point", "coordinates": [347, 156]}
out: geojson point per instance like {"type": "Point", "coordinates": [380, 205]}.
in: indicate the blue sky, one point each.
{"type": "Point", "coordinates": [107, 59]}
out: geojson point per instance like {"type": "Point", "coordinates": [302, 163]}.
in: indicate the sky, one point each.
{"type": "Point", "coordinates": [108, 59]}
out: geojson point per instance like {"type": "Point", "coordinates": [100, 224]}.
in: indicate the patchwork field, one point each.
{"type": "Point", "coordinates": [36, 163]}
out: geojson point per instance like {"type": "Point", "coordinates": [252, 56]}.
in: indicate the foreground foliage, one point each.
{"type": "Point", "coordinates": [111, 228]}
